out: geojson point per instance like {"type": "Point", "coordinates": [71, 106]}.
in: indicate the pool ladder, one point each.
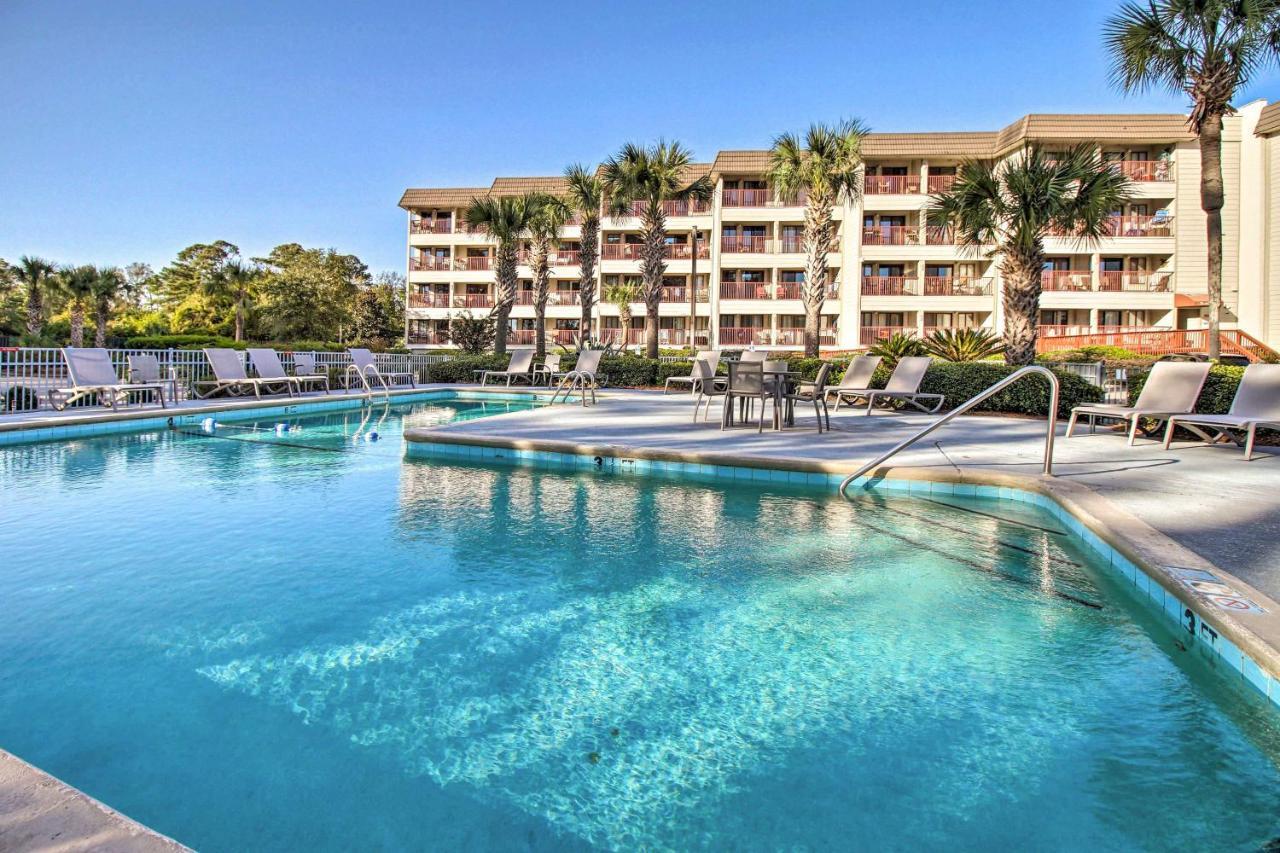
{"type": "Point", "coordinates": [1050, 432]}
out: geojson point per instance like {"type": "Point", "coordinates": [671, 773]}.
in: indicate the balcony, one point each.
{"type": "Point", "coordinates": [554, 297]}
{"type": "Point", "coordinates": [1130, 225]}
{"type": "Point", "coordinates": [681, 207]}
{"type": "Point", "coordinates": [1059, 331]}
{"type": "Point", "coordinates": [746, 290]}
{"type": "Point", "coordinates": [430, 263]}
{"type": "Point", "coordinates": [888, 285]}
{"type": "Point", "coordinates": [561, 258]}
{"type": "Point", "coordinates": [473, 300]}
{"type": "Point", "coordinates": [681, 251]}
{"type": "Point", "coordinates": [429, 300]}
{"type": "Point", "coordinates": [522, 337]}
{"type": "Point", "coordinates": [427, 337]}
{"type": "Point", "coordinates": [680, 293]}
{"type": "Point", "coordinates": [746, 198]}
{"type": "Point", "coordinates": [474, 264]}
{"type": "Point", "coordinates": [428, 226]}
{"type": "Point", "coordinates": [1143, 171]}
{"type": "Point", "coordinates": [872, 335]}
{"type": "Point", "coordinates": [941, 183]}
{"type": "Point", "coordinates": [947, 285]}
{"type": "Point", "coordinates": [1071, 281]}
{"type": "Point", "coordinates": [620, 251]}
{"type": "Point", "coordinates": [891, 184]}
{"type": "Point", "coordinates": [1134, 281]}
{"type": "Point", "coordinates": [907, 235]}
{"type": "Point", "coordinates": [745, 337]}
{"type": "Point", "coordinates": [745, 245]}
{"type": "Point", "coordinates": [791, 337]}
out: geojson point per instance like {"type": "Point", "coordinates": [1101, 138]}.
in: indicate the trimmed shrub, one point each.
{"type": "Point", "coordinates": [631, 371]}
{"type": "Point", "coordinates": [1216, 396]}
{"type": "Point", "coordinates": [961, 380]}
{"type": "Point", "coordinates": [460, 367]}
{"type": "Point", "coordinates": [1111, 355]}
{"type": "Point", "coordinates": [202, 341]}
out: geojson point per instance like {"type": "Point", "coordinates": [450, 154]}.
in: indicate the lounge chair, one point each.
{"type": "Point", "coordinates": [856, 379]}
{"type": "Point", "coordinates": [1257, 403]}
{"type": "Point", "coordinates": [549, 371]}
{"type": "Point", "coordinates": [903, 384]}
{"type": "Point", "coordinates": [365, 366]}
{"type": "Point", "coordinates": [304, 364]}
{"type": "Point", "coordinates": [519, 367]}
{"type": "Point", "coordinates": [1171, 389]}
{"type": "Point", "coordinates": [695, 376]}
{"type": "Point", "coordinates": [267, 364]}
{"type": "Point", "coordinates": [92, 373]}
{"type": "Point", "coordinates": [584, 377]}
{"type": "Point", "coordinates": [145, 368]}
{"type": "Point", "coordinates": [229, 375]}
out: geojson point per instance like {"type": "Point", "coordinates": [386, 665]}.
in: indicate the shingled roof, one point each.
{"type": "Point", "coordinates": [1167, 127]}
{"type": "Point", "coordinates": [1269, 120]}
{"type": "Point", "coordinates": [516, 186]}
{"type": "Point", "coordinates": [440, 197]}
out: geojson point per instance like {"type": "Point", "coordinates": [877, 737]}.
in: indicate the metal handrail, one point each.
{"type": "Point", "coordinates": [969, 404]}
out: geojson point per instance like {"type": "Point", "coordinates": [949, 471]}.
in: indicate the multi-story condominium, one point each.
{"type": "Point", "coordinates": [891, 270]}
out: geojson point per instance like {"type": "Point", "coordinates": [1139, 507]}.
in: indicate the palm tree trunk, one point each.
{"type": "Point", "coordinates": [102, 314]}
{"type": "Point", "coordinates": [77, 323]}
{"type": "Point", "coordinates": [240, 315]}
{"type": "Point", "coordinates": [818, 228]}
{"type": "Point", "coordinates": [653, 234]}
{"type": "Point", "coordinates": [1021, 299]}
{"type": "Point", "coordinates": [505, 295]}
{"type": "Point", "coordinates": [541, 283]}
{"type": "Point", "coordinates": [1211, 198]}
{"type": "Point", "coordinates": [590, 251]}
{"type": "Point", "coordinates": [35, 309]}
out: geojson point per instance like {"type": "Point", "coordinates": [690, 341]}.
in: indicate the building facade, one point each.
{"type": "Point", "coordinates": [890, 270]}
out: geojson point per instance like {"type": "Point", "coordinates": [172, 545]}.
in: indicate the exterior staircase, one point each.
{"type": "Point", "coordinates": [1165, 342]}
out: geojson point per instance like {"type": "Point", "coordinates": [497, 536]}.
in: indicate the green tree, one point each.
{"type": "Point", "coordinates": [506, 218]}
{"type": "Point", "coordinates": [308, 293]}
{"type": "Point", "coordinates": [826, 168]}
{"type": "Point", "coordinates": [235, 283]}
{"type": "Point", "coordinates": [11, 300]}
{"type": "Point", "coordinates": [586, 198]}
{"type": "Point", "coordinates": [78, 284]}
{"type": "Point", "coordinates": [471, 334]}
{"type": "Point", "coordinates": [1208, 49]}
{"type": "Point", "coordinates": [192, 270]}
{"type": "Point", "coordinates": [652, 176]}
{"type": "Point", "coordinates": [108, 286]}
{"type": "Point", "coordinates": [370, 322]}
{"type": "Point", "coordinates": [1012, 205]}
{"type": "Point", "coordinates": [38, 278]}
{"type": "Point", "coordinates": [548, 220]}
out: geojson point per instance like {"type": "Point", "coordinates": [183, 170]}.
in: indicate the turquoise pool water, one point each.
{"type": "Point", "coordinates": [250, 643]}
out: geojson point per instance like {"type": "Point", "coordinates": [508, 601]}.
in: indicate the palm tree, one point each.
{"type": "Point", "coordinates": [107, 287]}
{"type": "Point", "coordinates": [38, 277]}
{"type": "Point", "coordinates": [506, 218]}
{"type": "Point", "coordinates": [652, 176]}
{"type": "Point", "coordinates": [622, 295]}
{"type": "Point", "coordinates": [586, 198]}
{"type": "Point", "coordinates": [1012, 205]}
{"type": "Point", "coordinates": [236, 282]}
{"type": "Point", "coordinates": [549, 217]}
{"type": "Point", "coordinates": [78, 284]}
{"type": "Point", "coordinates": [827, 167]}
{"type": "Point", "coordinates": [1208, 49]}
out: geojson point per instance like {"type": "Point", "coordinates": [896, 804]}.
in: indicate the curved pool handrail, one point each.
{"type": "Point", "coordinates": [966, 406]}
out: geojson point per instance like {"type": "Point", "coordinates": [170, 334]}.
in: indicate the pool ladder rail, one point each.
{"type": "Point", "coordinates": [369, 390]}
{"type": "Point", "coordinates": [969, 404]}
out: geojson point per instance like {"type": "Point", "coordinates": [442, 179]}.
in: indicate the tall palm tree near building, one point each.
{"type": "Point", "coordinates": [1208, 49]}
{"type": "Point", "coordinates": [506, 219]}
{"type": "Point", "coordinates": [621, 296]}
{"type": "Point", "coordinates": [235, 282]}
{"type": "Point", "coordinates": [38, 278]}
{"type": "Point", "coordinates": [550, 214]}
{"type": "Point", "coordinates": [825, 167]}
{"type": "Point", "coordinates": [78, 284]}
{"type": "Point", "coordinates": [107, 288]}
{"type": "Point", "coordinates": [586, 197]}
{"type": "Point", "coordinates": [652, 176]}
{"type": "Point", "coordinates": [1009, 207]}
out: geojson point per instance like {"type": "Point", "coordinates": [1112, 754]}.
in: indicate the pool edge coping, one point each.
{"type": "Point", "coordinates": [1152, 552]}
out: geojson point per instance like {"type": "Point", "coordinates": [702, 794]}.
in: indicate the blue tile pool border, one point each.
{"type": "Point", "coordinates": [1186, 617]}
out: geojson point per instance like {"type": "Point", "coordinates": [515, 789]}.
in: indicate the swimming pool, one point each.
{"type": "Point", "coordinates": [305, 640]}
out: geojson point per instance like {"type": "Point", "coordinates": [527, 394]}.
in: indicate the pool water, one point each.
{"type": "Point", "coordinates": [306, 641]}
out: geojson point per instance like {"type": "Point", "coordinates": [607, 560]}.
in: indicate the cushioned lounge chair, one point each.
{"type": "Point", "coordinates": [1256, 404]}
{"type": "Point", "coordinates": [92, 374]}
{"type": "Point", "coordinates": [1172, 388]}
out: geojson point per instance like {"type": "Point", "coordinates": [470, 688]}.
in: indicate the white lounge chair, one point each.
{"type": "Point", "coordinates": [230, 376]}
{"type": "Point", "coordinates": [1256, 404]}
{"type": "Point", "coordinates": [696, 374]}
{"type": "Point", "coordinates": [549, 372]}
{"type": "Point", "coordinates": [519, 367]}
{"type": "Point", "coordinates": [364, 364]}
{"type": "Point", "coordinates": [1172, 389]}
{"type": "Point", "coordinates": [92, 373]}
{"type": "Point", "coordinates": [266, 362]}
{"type": "Point", "coordinates": [903, 384]}
{"type": "Point", "coordinates": [857, 378]}
{"type": "Point", "coordinates": [584, 378]}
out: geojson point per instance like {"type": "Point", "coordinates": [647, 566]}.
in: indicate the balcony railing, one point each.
{"type": "Point", "coordinates": [561, 258]}
{"type": "Point", "coordinates": [554, 297]}
{"type": "Point", "coordinates": [744, 244]}
{"type": "Point", "coordinates": [1066, 280]}
{"type": "Point", "coordinates": [793, 337]}
{"type": "Point", "coordinates": [620, 251]}
{"type": "Point", "coordinates": [891, 235]}
{"type": "Point", "coordinates": [948, 285]}
{"type": "Point", "coordinates": [522, 337]}
{"type": "Point", "coordinates": [428, 226]}
{"type": "Point", "coordinates": [745, 336]}
{"type": "Point", "coordinates": [681, 207]}
{"type": "Point", "coordinates": [429, 300]}
{"type": "Point", "coordinates": [475, 263]}
{"type": "Point", "coordinates": [888, 285]}
{"type": "Point", "coordinates": [871, 335]}
{"type": "Point", "coordinates": [473, 300]}
{"type": "Point", "coordinates": [747, 197]}
{"type": "Point", "coordinates": [746, 290]}
{"type": "Point", "coordinates": [680, 293]}
{"type": "Point", "coordinates": [1145, 282]}
{"type": "Point", "coordinates": [681, 251]}
{"type": "Point", "coordinates": [1140, 225]}
{"type": "Point", "coordinates": [430, 263]}
{"type": "Point", "coordinates": [1142, 171]}
{"type": "Point", "coordinates": [941, 183]}
{"type": "Point", "coordinates": [891, 184]}
{"type": "Point", "coordinates": [430, 337]}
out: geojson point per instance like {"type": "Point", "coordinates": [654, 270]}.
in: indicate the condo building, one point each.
{"type": "Point", "coordinates": [739, 258]}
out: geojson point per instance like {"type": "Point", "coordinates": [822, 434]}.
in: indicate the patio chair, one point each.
{"type": "Point", "coordinates": [903, 385]}
{"type": "Point", "coordinates": [815, 393]}
{"type": "Point", "coordinates": [1172, 388]}
{"type": "Point", "coordinates": [145, 368]}
{"type": "Point", "coordinates": [707, 386]}
{"type": "Point", "coordinates": [266, 362]}
{"type": "Point", "coordinates": [856, 379]}
{"type": "Point", "coordinates": [549, 371]}
{"type": "Point", "coordinates": [364, 364]}
{"type": "Point", "coordinates": [230, 376]}
{"type": "Point", "coordinates": [92, 373]}
{"type": "Point", "coordinates": [752, 355]}
{"type": "Point", "coordinates": [584, 377]}
{"type": "Point", "coordinates": [695, 376]}
{"type": "Point", "coordinates": [519, 367]}
{"type": "Point", "coordinates": [1257, 403]}
{"type": "Point", "coordinates": [746, 385]}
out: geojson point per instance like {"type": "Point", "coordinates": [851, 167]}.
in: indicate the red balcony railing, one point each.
{"type": "Point", "coordinates": [430, 263]}
{"type": "Point", "coordinates": [939, 235]}
{"type": "Point", "coordinates": [675, 207]}
{"type": "Point", "coordinates": [746, 290]}
{"type": "Point", "coordinates": [747, 197]}
{"type": "Point", "coordinates": [681, 251]}
{"type": "Point", "coordinates": [1140, 225]}
{"type": "Point", "coordinates": [793, 246]}
{"type": "Point", "coordinates": [429, 226]}
{"type": "Point", "coordinates": [744, 244]}
{"type": "Point", "coordinates": [620, 251]}
{"type": "Point", "coordinates": [554, 297]}
{"type": "Point", "coordinates": [473, 300]}
{"type": "Point", "coordinates": [522, 337]}
{"type": "Point", "coordinates": [1066, 280]}
{"type": "Point", "coordinates": [888, 285]}
{"type": "Point", "coordinates": [429, 300]}
{"type": "Point", "coordinates": [743, 337]}
{"type": "Point", "coordinates": [428, 337]}
{"type": "Point", "coordinates": [891, 184]}
{"type": "Point", "coordinates": [680, 293]}
{"type": "Point", "coordinates": [941, 183]}
{"type": "Point", "coordinates": [949, 285]}
{"type": "Point", "coordinates": [1144, 170]}
{"type": "Point", "coordinates": [891, 235]}
{"type": "Point", "coordinates": [794, 337]}
{"type": "Point", "coordinates": [1149, 282]}
{"type": "Point", "coordinates": [871, 335]}
{"type": "Point", "coordinates": [477, 263]}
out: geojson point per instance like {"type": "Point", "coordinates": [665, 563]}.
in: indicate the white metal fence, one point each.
{"type": "Point", "coordinates": [28, 373]}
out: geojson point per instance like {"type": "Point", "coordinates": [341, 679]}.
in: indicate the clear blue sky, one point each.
{"type": "Point", "coordinates": [132, 128]}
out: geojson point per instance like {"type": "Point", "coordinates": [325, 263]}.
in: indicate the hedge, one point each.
{"type": "Point", "coordinates": [1216, 396]}
{"type": "Point", "coordinates": [202, 341]}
